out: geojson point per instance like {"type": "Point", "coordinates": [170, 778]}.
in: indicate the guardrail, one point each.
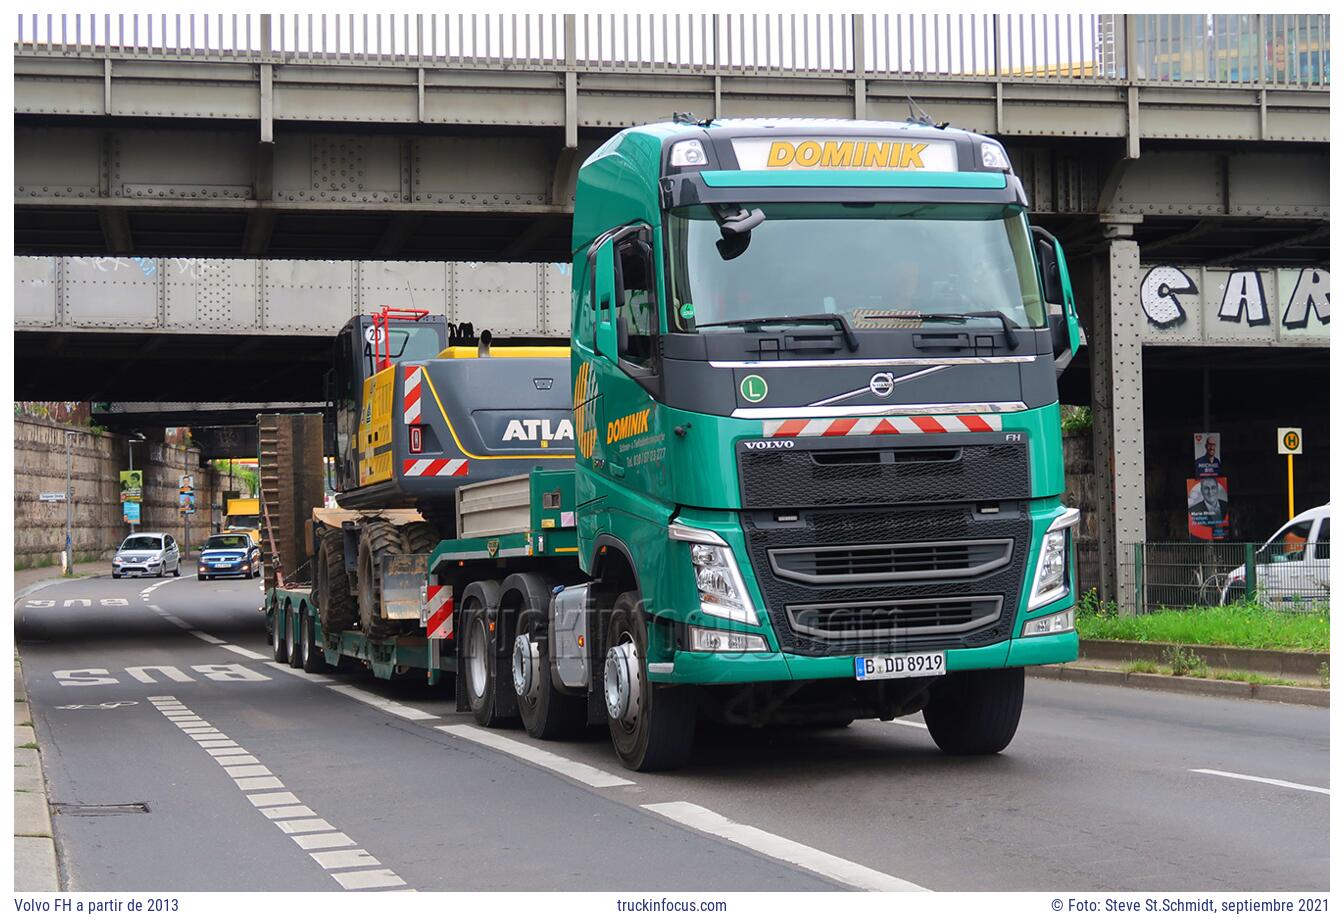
{"type": "Point", "coordinates": [1290, 575]}
{"type": "Point", "coordinates": [1260, 50]}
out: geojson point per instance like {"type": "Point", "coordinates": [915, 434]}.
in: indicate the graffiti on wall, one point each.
{"type": "Point", "coordinates": [1185, 303]}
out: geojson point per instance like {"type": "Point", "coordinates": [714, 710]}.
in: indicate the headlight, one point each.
{"type": "Point", "coordinates": [721, 640]}
{"type": "Point", "coordinates": [687, 153]}
{"type": "Point", "coordinates": [117, 558]}
{"type": "Point", "coordinates": [1052, 563]}
{"type": "Point", "coordinates": [992, 156]}
{"type": "Point", "coordinates": [717, 579]}
{"type": "Point", "coordinates": [1060, 622]}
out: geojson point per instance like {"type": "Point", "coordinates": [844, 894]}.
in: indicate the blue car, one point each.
{"type": "Point", "coordinates": [229, 554]}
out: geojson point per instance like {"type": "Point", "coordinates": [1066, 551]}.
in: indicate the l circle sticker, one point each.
{"type": "Point", "coordinates": [753, 388]}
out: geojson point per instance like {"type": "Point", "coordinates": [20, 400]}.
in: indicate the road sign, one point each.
{"type": "Point", "coordinates": [1290, 440]}
{"type": "Point", "coordinates": [51, 496]}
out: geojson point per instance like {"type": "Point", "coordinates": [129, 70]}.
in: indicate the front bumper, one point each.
{"type": "Point", "coordinates": [752, 667]}
{"type": "Point", "coordinates": [233, 568]}
{"type": "Point", "coordinates": [136, 568]}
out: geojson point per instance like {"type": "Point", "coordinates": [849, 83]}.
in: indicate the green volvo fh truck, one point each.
{"type": "Point", "coordinates": [817, 467]}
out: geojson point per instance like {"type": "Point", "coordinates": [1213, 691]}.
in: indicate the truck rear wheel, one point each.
{"type": "Point", "coordinates": [546, 712]}
{"type": "Point", "coordinates": [476, 638]}
{"type": "Point", "coordinates": [314, 661]}
{"type": "Point", "coordinates": [332, 589]}
{"type": "Point", "coordinates": [652, 728]}
{"type": "Point", "coordinates": [976, 712]}
{"type": "Point", "coordinates": [278, 650]}
{"type": "Point", "coordinates": [293, 641]}
{"type": "Point", "coordinates": [377, 538]}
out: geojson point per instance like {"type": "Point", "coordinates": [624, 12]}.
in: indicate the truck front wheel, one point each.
{"type": "Point", "coordinates": [976, 712]}
{"type": "Point", "coordinates": [652, 728]}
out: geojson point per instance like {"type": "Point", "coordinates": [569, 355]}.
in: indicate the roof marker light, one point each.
{"type": "Point", "coordinates": [993, 157]}
{"type": "Point", "coordinates": [688, 153]}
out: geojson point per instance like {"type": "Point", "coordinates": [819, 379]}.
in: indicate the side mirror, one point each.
{"type": "Point", "coordinates": [605, 297]}
{"type": "Point", "coordinates": [1057, 289]}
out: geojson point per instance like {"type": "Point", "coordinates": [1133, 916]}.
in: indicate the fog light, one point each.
{"type": "Point", "coordinates": [1060, 622]}
{"type": "Point", "coordinates": [721, 640]}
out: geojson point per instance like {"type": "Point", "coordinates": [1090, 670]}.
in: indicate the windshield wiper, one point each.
{"type": "Point", "coordinates": [828, 319]}
{"type": "Point", "coordinates": [1010, 327]}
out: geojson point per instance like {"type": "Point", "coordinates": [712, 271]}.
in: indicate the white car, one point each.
{"type": "Point", "coordinates": [1292, 569]}
{"type": "Point", "coordinates": [147, 554]}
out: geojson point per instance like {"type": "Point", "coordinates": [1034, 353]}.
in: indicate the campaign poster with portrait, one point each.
{"type": "Point", "coordinates": [132, 485]}
{"type": "Point", "coordinates": [1206, 507]}
{"type": "Point", "coordinates": [1208, 454]}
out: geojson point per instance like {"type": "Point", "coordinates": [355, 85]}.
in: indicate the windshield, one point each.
{"type": "Point", "coordinates": [243, 521]}
{"type": "Point", "coordinates": [881, 265]}
{"type": "Point", "coordinates": [406, 343]}
{"type": "Point", "coordinates": [226, 542]}
{"type": "Point", "coordinates": [142, 543]}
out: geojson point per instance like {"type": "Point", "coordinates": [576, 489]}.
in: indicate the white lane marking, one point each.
{"type": "Point", "coordinates": [1266, 780]}
{"type": "Point", "coordinates": [258, 782]}
{"type": "Point", "coordinates": [304, 825]}
{"type": "Point", "coordinates": [908, 724]}
{"type": "Point", "coordinates": [156, 608]}
{"type": "Point", "coordinates": [315, 678]}
{"type": "Point", "coordinates": [323, 841]}
{"type": "Point", "coordinates": [188, 724]}
{"type": "Point", "coordinates": [378, 702]}
{"type": "Point", "coordinates": [235, 760]}
{"type": "Point", "coordinates": [212, 736]}
{"type": "Point", "coordinates": [153, 698]}
{"type": "Point", "coordinates": [273, 798]}
{"type": "Point", "coordinates": [206, 637]}
{"type": "Point", "coordinates": [343, 859]}
{"type": "Point", "coordinates": [368, 878]}
{"type": "Point", "coordinates": [246, 652]}
{"type": "Point", "coordinates": [782, 848]}
{"type": "Point", "coordinates": [178, 621]}
{"type": "Point", "coordinates": [590, 776]}
{"type": "Point", "coordinates": [203, 728]}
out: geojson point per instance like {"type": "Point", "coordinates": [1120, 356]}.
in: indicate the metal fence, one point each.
{"type": "Point", "coordinates": [1166, 576]}
{"type": "Point", "coordinates": [1278, 50]}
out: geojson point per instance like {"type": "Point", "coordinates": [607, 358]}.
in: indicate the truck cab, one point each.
{"type": "Point", "coordinates": [817, 425]}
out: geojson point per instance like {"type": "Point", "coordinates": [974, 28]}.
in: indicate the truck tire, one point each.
{"type": "Point", "coordinates": [655, 728]}
{"type": "Point", "coordinates": [546, 712]}
{"type": "Point", "coordinates": [278, 650]}
{"type": "Point", "coordinates": [377, 538]}
{"type": "Point", "coordinates": [335, 605]}
{"type": "Point", "coordinates": [976, 712]}
{"type": "Point", "coordinates": [314, 661]}
{"type": "Point", "coordinates": [480, 601]}
{"type": "Point", "coordinates": [293, 640]}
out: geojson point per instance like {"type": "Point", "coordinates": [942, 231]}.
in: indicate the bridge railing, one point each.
{"type": "Point", "coordinates": [1279, 50]}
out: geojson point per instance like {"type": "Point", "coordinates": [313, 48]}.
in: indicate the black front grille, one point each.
{"type": "Point", "coordinates": [856, 564]}
{"type": "Point", "coordinates": [941, 468]}
{"type": "Point", "coordinates": [886, 619]}
{"type": "Point", "coordinates": [841, 529]}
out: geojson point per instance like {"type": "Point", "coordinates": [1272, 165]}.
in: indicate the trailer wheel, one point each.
{"type": "Point", "coordinates": [314, 661]}
{"type": "Point", "coordinates": [976, 712]}
{"type": "Point", "coordinates": [546, 712]}
{"type": "Point", "coordinates": [377, 538]}
{"type": "Point", "coordinates": [297, 652]}
{"type": "Point", "coordinates": [278, 650]}
{"type": "Point", "coordinates": [480, 601]}
{"type": "Point", "coordinates": [332, 589]}
{"type": "Point", "coordinates": [652, 728]}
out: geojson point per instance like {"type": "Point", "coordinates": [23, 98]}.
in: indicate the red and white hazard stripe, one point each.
{"type": "Point", "coordinates": [439, 612]}
{"type": "Point", "coordinates": [882, 424]}
{"type": "Point", "coordinates": [411, 400]}
{"type": "Point", "coordinates": [434, 467]}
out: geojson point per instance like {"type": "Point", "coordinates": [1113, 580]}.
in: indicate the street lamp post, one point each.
{"type": "Point", "coordinates": [69, 503]}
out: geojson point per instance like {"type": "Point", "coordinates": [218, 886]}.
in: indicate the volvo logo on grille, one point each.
{"type": "Point", "coordinates": [882, 384]}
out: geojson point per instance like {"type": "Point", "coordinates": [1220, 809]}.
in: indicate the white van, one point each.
{"type": "Point", "coordinates": [1292, 569]}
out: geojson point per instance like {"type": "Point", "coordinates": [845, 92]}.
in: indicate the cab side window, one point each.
{"type": "Point", "coordinates": [638, 311]}
{"type": "Point", "coordinates": [1323, 540]}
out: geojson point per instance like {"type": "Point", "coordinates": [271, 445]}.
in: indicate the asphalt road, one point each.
{"type": "Point", "coordinates": [224, 749]}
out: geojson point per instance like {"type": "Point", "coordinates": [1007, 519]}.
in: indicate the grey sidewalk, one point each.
{"type": "Point", "coordinates": [34, 846]}
{"type": "Point", "coordinates": [28, 580]}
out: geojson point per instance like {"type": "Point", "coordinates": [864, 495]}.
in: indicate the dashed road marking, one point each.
{"type": "Point", "coordinates": [909, 724]}
{"type": "Point", "coordinates": [206, 637]}
{"type": "Point", "coordinates": [246, 652]}
{"type": "Point", "coordinates": [781, 848]}
{"type": "Point", "coordinates": [589, 776]}
{"type": "Point", "coordinates": [315, 678]}
{"type": "Point", "coordinates": [331, 849]}
{"type": "Point", "coordinates": [1266, 780]}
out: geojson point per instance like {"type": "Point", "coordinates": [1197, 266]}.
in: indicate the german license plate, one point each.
{"type": "Point", "coordinates": [223, 565]}
{"type": "Point", "coordinates": [914, 664]}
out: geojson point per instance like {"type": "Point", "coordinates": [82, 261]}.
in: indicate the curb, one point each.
{"type": "Point", "coordinates": [1202, 686]}
{"type": "Point", "coordinates": [39, 585]}
{"type": "Point", "coordinates": [1273, 662]}
{"type": "Point", "coordinates": [35, 867]}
